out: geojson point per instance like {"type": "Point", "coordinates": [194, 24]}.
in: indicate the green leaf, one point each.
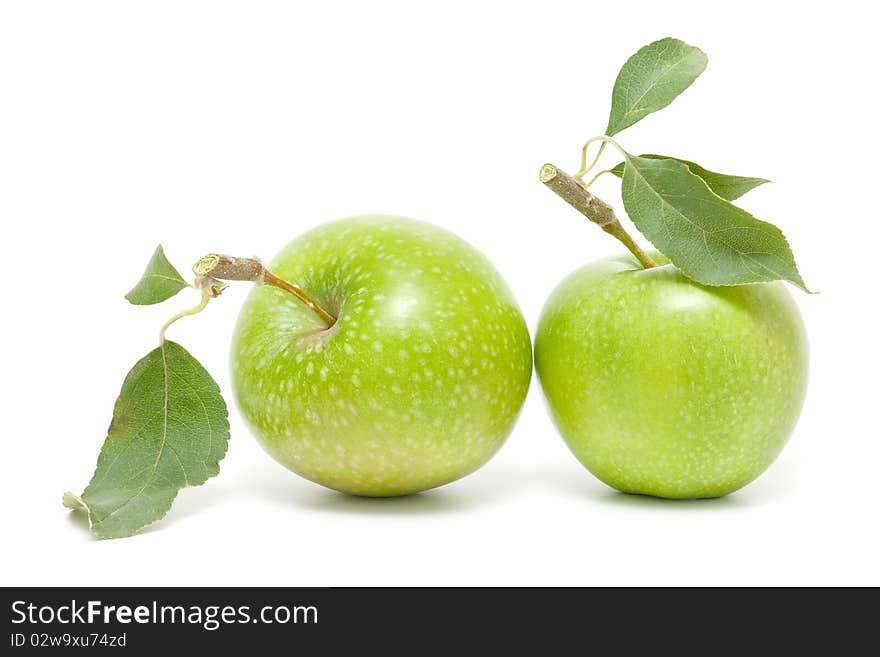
{"type": "Point", "coordinates": [726, 186]}
{"type": "Point", "coordinates": [709, 239]}
{"type": "Point", "coordinates": [160, 281]}
{"type": "Point", "coordinates": [169, 430]}
{"type": "Point", "coordinates": [651, 79]}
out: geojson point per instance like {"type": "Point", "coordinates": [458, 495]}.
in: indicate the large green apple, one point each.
{"type": "Point", "coordinates": [665, 387]}
{"type": "Point", "coordinates": [417, 383]}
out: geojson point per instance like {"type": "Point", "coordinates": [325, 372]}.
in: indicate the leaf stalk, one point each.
{"type": "Point", "coordinates": [207, 295]}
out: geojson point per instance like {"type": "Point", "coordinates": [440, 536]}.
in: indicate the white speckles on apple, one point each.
{"type": "Point", "coordinates": [394, 382]}
{"type": "Point", "coordinates": [682, 391]}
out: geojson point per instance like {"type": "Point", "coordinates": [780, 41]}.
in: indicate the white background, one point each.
{"type": "Point", "coordinates": [237, 126]}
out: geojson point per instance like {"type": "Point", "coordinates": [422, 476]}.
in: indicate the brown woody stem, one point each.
{"type": "Point", "coordinates": [230, 268]}
{"type": "Point", "coordinates": [574, 192]}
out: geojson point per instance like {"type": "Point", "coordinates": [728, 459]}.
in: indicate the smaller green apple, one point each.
{"type": "Point", "coordinates": [665, 387]}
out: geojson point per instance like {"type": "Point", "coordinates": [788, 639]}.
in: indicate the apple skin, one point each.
{"type": "Point", "coordinates": [419, 381]}
{"type": "Point", "coordinates": [661, 386]}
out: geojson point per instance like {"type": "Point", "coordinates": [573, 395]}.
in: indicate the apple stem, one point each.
{"type": "Point", "coordinates": [575, 193]}
{"type": "Point", "coordinates": [231, 268]}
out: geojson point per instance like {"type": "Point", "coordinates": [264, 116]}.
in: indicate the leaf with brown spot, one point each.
{"type": "Point", "coordinates": [169, 430]}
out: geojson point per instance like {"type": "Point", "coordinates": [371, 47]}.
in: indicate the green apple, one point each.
{"type": "Point", "coordinates": [417, 383]}
{"type": "Point", "coordinates": [665, 387]}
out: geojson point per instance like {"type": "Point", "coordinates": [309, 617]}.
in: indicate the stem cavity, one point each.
{"type": "Point", "coordinates": [575, 193]}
